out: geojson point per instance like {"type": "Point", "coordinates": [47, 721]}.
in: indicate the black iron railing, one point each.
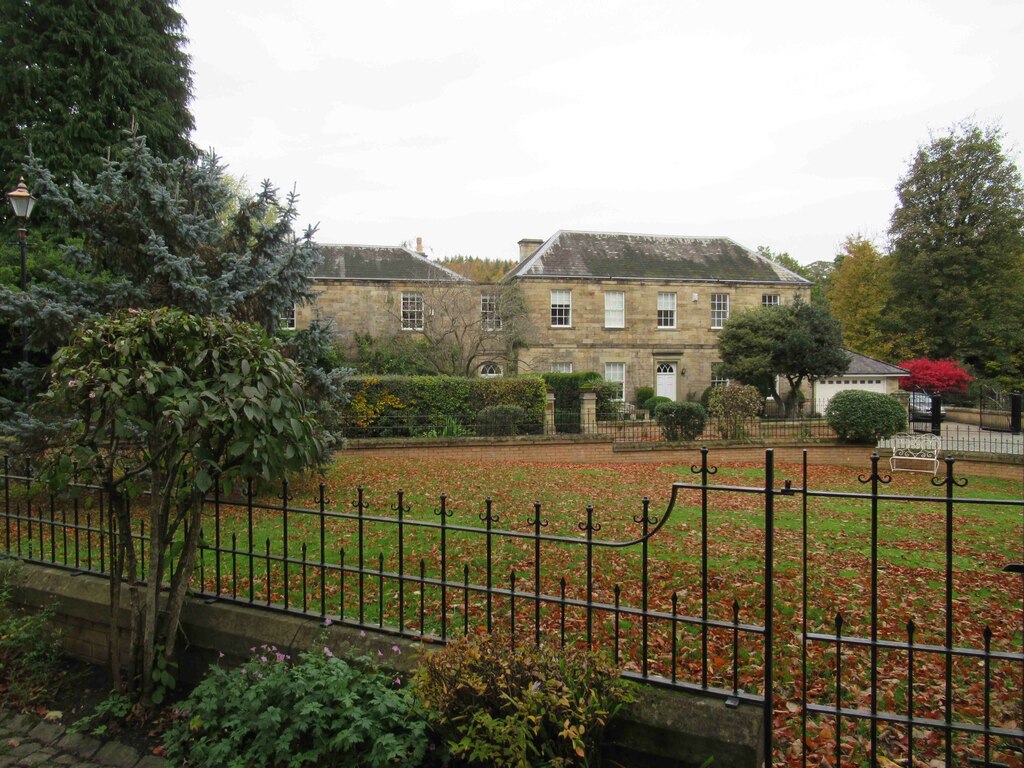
{"type": "Point", "coordinates": [613, 581]}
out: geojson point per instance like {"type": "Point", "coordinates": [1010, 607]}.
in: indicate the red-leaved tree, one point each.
{"type": "Point", "coordinates": [935, 376]}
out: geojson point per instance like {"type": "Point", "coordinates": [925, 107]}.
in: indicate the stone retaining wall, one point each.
{"type": "Point", "coordinates": [663, 729]}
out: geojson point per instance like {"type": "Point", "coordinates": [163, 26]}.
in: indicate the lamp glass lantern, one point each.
{"type": "Point", "coordinates": [22, 200]}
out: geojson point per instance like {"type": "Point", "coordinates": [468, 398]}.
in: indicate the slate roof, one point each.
{"type": "Point", "coordinates": [603, 255]}
{"type": "Point", "coordinates": [379, 262]}
{"type": "Point", "coordinates": [862, 365]}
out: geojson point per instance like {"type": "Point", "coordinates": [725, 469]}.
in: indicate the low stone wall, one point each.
{"type": "Point", "coordinates": [663, 729]}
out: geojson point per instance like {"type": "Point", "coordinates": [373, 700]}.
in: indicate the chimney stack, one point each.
{"type": "Point", "coordinates": [528, 247]}
{"type": "Point", "coordinates": [419, 245]}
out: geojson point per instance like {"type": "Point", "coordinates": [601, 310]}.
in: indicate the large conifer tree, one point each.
{"type": "Point", "coordinates": [958, 253]}
{"type": "Point", "coordinates": [76, 74]}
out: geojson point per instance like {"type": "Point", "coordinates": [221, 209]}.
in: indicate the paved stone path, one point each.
{"type": "Point", "coordinates": [26, 741]}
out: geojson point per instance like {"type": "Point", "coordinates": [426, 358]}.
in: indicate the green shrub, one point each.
{"type": "Point", "coordinates": [734, 407]}
{"type": "Point", "coordinates": [566, 388]}
{"type": "Point", "coordinates": [524, 707]}
{"type": "Point", "coordinates": [680, 421]}
{"type": "Point", "coordinates": [651, 403]}
{"type": "Point", "coordinates": [318, 711]}
{"type": "Point", "coordinates": [705, 396]}
{"type": "Point", "coordinates": [859, 417]}
{"type": "Point", "coordinates": [500, 420]}
{"type": "Point", "coordinates": [400, 406]}
{"type": "Point", "coordinates": [30, 650]}
{"type": "Point", "coordinates": [643, 394]}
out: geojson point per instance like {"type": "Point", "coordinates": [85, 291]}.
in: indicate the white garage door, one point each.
{"type": "Point", "coordinates": [825, 390]}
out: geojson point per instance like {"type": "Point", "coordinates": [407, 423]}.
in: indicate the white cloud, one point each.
{"type": "Point", "coordinates": [476, 122]}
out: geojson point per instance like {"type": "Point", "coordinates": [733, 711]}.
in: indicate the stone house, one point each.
{"type": "Point", "coordinates": [642, 310]}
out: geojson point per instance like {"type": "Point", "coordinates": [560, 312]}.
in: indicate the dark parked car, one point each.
{"type": "Point", "coordinates": [921, 407]}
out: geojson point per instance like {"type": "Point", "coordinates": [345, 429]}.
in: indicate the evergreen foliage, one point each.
{"type": "Point", "coordinates": [159, 406]}
{"type": "Point", "coordinates": [680, 421]}
{"type": "Point", "coordinates": [864, 417]}
{"type": "Point", "coordinates": [150, 233]}
{"type": "Point", "coordinates": [798, 342]}
{"type": "Point", "coordinates": [75, 75]}
{"type": "Point", "coordinates": [958, 254]}
{"type": "Point", "coordinates": [402, 406]}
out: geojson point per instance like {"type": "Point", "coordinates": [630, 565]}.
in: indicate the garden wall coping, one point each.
{"type": "Point", "coordinates": [662, 729]}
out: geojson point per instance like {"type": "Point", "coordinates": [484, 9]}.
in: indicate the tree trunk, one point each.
{"type": "Point", "coordinates": [158, 510]}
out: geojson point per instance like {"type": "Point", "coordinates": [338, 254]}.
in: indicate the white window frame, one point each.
{"type": "Point", "coordinates": [719, 309]}
{"type": "Point", "coordinates": [770, 300]}
{"type": "Point", "coordinates": [717, 380]}
{"type": "Point", "coordinates": [667, 303]}
{"type": "Point", "coordinates": [611, 370]}
{"type": "Point", "coordinates": [561, 308]}
{"type": "Point", "coordinates": [561, 367]}
{"type": "Point", "coordinates": [491, 371]}
{"type": "Point", "coordinates": [287, 319]}
{"type": "Point", "coordinates": [412, 311]}
{"type": "Point", "coordinates": [614, 316]}
{"type": "Point", "coordinates": [490, 320]}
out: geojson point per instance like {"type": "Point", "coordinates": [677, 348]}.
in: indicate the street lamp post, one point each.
{"type": "Point", "coordinates": [22, 202]}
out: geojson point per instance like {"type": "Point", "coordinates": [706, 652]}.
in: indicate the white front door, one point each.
{"type": "Point", "coordinates": [666, 380]}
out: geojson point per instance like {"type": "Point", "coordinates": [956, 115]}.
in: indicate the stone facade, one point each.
{"type": "Point", "coordinates": [640, 308]}
{"type": "Point", "coordinates": [588, 344]}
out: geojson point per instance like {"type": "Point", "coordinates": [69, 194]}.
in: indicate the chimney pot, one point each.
{"type": "Point", "coordinates": [419, 245]}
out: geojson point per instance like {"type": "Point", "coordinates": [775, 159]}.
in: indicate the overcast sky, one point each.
{"type": "Point", "coordinates": [474, 123]}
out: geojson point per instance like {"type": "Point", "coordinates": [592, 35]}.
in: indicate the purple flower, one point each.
{"type": "Point", "coordinates": [398, 681]}
{"type": "Point", "coordinates": [327, 621]}
{"type": "Point", "coordinates": [395, 649]}
{"type": "Point", "coordinates": [328, 652]}
{"type": "Point", "coordinates": [362, 633]}
{"type": "Point", "coordinates": [380, 652]}
{"type": "Point", "coordinates": [281, 656]}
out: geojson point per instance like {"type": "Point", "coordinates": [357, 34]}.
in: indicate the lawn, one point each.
{"type": "Point", "coordinates": [911, 575]}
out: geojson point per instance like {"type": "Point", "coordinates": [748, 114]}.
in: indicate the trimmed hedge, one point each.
{"type": "Point", "coordinates": [651, 403]}
{"type": "Point", "coordinates": [643, 394]}
{"type": "Point", "coordinates": [860, 417]}
{"type": "Point", "coordinates": [403, 406]}
{"type": "Point", "coordinates": [567, 387]}
{"type": "Point", "coordinates": [500, 420]}
{"type": "Point", "coordinates": [680, 421]}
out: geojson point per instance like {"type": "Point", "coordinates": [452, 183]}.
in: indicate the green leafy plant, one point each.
{"type": "Point", "coordinates": [172, 403]}
{"type": "Point", "coordinates": [523, 707]}
{"type": "Point", "coordinates": [653, 402]}
{"type": "Point", "coordinates": [680, 421]}
{"type": "Point", "coordinates": [643, 394]}
{"type": "Point", "coordinates": [734, 407]}
{"type": "Point", "coordinates": [858, 416]}
{"type": "Point", "coordinates": [116, 707]}
{"type": "Point", "coordinates": [317, 710]}
{"type": "Point", "coordinates": [30, 650]}
{"type": "Point", "coordinates": [497, 420]}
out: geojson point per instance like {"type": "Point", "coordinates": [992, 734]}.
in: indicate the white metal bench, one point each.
{"type": "Point", "coordinates": [915, 450]}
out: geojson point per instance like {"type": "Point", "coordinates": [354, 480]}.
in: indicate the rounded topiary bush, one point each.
{"type": "Point", "coordinates": [651, 403]}
{"type": "Point", "coordinates": [643, 394]}
{"type": "Point", "coordinates": [500, 420]}
{"type": "Point", "coordinates": [859, 417]}
{"type": "Point", "coordinates": [680, 421]}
